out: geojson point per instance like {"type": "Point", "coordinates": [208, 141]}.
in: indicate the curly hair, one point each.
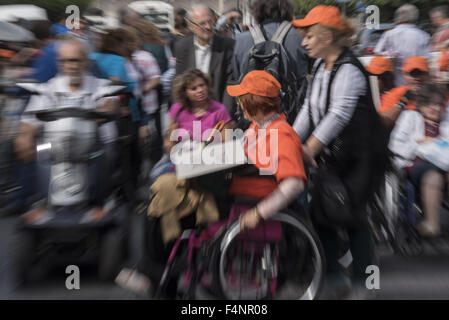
{"type": "Point", "coordinates": [251, 103]}
{"type": "Point", "coordinates": [272, 10]}
{"type": "Point", "coordinates": [183, 81]}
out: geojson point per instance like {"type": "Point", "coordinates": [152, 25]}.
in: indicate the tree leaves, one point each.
{"type": "Point", "coordinates": [55, 8]}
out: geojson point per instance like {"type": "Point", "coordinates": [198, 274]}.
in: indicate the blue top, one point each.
{"type": "Point", "coordinates": [44, 66]}
{"type": "Point", "coordinates": [57, 29]}
{"type": "Point", "coordinates": [111, 65]}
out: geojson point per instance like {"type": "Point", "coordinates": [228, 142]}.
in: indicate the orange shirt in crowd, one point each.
{"type": "Point", "coordinates": [392, 97]}
{"type": "Point", "coordinates": [286, 163]}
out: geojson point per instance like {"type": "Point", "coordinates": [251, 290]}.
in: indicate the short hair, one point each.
{"type": "Point", "coordinates": [197, 6]}
{"type": "Point", "coordinates": [72, 39]}
{"type": "Point", "coordinates": [441, 10]}
{"type": "Point", "coordinates": [407, 13]}
{"type": "Point", "coordinates": [41, 29]}
{"type": "Point", "coordinates": [180, 18]}
{"type": "Point", "coordinates": [251, 103]}
{"type": "Point", "coordinates": [272, 10]}
{"type": "Point", "coordinates": [431, 93]}
{"type": "Point", "coordinates": [183, 81]}
{"type": "Point", "coordinates": [235, 10]}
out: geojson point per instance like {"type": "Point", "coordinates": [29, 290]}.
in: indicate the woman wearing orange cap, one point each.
{"type": "Point", "coordinates": [258, 96]}
{"type": "Point", "coordinates": [339, 126]}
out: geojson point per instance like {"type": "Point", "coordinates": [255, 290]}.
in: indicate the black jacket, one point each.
{"type": "Point", "coordinates": [220, 69]}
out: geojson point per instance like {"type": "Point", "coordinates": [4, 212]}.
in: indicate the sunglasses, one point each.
{"type": "Point", "coordinates": [417, 73]}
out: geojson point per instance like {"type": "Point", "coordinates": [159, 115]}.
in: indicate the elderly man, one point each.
{"type": "Point", "coordinates": [208, 52]}
{"type": "Point", "coordinates": [440, 19]}
{"type": "Point", "coordinates": [72, 87]}
{"type": "Point", "coordinates": [405, 40]}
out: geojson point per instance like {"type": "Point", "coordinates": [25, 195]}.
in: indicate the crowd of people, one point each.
{"type": "Point", "coordinates": [200, 71]}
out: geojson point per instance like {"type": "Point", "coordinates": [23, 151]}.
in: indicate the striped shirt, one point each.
{"type": "Point", "coordinates": [348, 86]}
{"type": "Point", "coordinates": [404, 41]}
{"type": "Point", "coordinates": [149, 70]}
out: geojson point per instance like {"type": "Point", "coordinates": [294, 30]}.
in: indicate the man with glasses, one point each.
{"type": "Point", "coordinates": [416, 74]}
{"type": "Point", "coordinates": [206, 51]}
{"type": "Point", "coordinates": [71, 87]}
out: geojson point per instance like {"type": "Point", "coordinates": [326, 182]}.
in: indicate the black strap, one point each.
{"type": "Point", "coordinates": [345, 58]}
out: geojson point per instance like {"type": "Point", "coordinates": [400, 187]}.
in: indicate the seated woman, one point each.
{"type": "Point", "coordinates": [195, 113]}
{"type": "Point", "coordinates": [258, 96]}
{"type": "Point", "coordinates": [413, 129]}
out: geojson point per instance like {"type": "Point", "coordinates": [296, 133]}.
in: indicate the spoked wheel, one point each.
{"type": "Point", "coordinates": [408, 243]}
{"type": "Point", "coordinates": [281, 259]}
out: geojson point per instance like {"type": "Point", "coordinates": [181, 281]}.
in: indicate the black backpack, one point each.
{"type": "Point", "coordinates": [270, 55]}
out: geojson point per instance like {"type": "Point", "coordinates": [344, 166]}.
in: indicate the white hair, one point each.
{"type": "Point", "coordinates": [74, 40]}
{"type": "Point", "coordinates": [407, 13]}
{"type": "Point", "coordinates": [196, 6]}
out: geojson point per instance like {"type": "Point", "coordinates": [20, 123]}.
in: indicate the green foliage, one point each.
{"type": "Point", "coordinates": [387, 7]}
{"type": "Point", "coordinates": [55, 8]}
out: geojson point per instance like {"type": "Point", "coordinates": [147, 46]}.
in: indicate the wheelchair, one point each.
{"type": "Point", "coordinates": [281, 258]}
{"type": "Point", "coordinates": [394, 214]}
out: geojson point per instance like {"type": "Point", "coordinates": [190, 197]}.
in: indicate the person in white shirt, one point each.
{"type": "Point", "coordinates": [72, 87]}
{"type": "Point", "coordinates": [338, 125]}
{"type": "Point", "coordinates": [405, 40]}
{"type": "Point", "coordinates": [413, 130]}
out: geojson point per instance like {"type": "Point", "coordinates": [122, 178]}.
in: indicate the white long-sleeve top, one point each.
{"type": "Point", "coordinates": [348, 86]}
{"type": "Point", "coordinates": [409, 129]}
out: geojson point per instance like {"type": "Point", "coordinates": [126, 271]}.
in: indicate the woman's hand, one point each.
{"type": "Point", "coordinates": [250, 219]}
{"type": "Point", "coordinates": [308, 157]}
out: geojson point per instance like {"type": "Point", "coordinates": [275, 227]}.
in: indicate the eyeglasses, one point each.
{"type": "Point", "coordinates": [201, 24]}
{"type": "Point", "coordinates": [73, 60]}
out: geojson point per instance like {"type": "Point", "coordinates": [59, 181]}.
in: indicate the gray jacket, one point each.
{"type": "Point", "coordinates": [292, 43]}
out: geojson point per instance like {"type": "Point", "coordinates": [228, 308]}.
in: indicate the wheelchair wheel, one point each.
{"type": "Point", "coordinates": [285, 261]}
{"type": "Point", "coordinates": [408, 242]}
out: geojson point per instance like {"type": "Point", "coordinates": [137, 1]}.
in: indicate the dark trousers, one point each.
{"type": "Point", "coordinates": [362, 250]}
{"type": "Point", "coordinates": [130, 155]}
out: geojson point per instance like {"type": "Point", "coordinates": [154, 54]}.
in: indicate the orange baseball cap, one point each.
{"type": "Point", "coordinates": [379, 65]}
{"type": "Point", "coordinates": [258, 82]}
{"type": "Point", "coordinates": [413, 63]}
{"type": "Point", "coordinates": [327, 15]}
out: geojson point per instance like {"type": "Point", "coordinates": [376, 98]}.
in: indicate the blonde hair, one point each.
{"type": "Point", "coordinates": [341, 38]}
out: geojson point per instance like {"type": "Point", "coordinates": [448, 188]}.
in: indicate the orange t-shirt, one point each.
{"type": "Point", "coordinates": [392, 97]}
{"type": "Point", "coordinates": [275, 151]}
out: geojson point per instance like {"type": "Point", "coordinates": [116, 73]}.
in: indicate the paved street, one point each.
{"type": "Point", "coordinates": [423, 277]}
